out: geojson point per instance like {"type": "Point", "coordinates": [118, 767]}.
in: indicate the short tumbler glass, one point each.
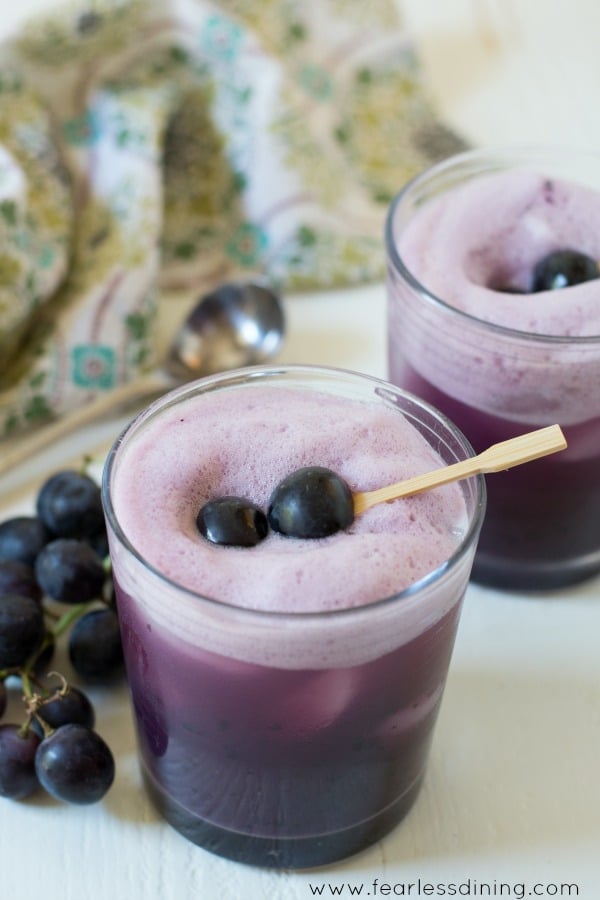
{"type": "Point", "coordinates": [242, 757]}
{"type": "Point", "coordinates": [542, 525]}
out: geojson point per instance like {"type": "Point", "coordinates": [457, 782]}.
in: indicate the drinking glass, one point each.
{"type": "Point", "coordinates": [287, 739]}
{"type": "Point", "coordinates": [542, 525]}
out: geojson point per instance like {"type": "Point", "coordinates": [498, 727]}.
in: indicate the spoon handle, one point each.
{"type": "Point", "coordinates": [107, 403]}
{"type": "Point", "coordinates": [504, 455]}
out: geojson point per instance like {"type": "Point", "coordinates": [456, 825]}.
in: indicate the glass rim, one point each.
{"type": "Point", "coordinates": [213, 381]}
{"type": "Point", "coordinates": [501, 152]}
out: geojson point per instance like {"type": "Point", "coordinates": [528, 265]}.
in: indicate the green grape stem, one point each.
{"type": "Point", "coordinates": [67, 619]}
{"type": "Point", "coordinates": [34, 699]}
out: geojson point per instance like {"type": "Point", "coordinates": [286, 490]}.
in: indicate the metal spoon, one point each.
{"type": "Point", "coordinates": [237, 324]}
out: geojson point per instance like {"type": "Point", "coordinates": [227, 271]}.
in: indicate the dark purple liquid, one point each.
{"type": "Point", "coordinates": [282, 767]}
{"type": "Point", "coordinates": [542, 523]}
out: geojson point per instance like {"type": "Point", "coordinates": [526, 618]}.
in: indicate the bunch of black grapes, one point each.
{"type": "Point", "coordinates": [55, 579]}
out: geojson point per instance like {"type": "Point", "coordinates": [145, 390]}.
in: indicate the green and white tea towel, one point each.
{"type": "Point", "coordinates": [152, 146]}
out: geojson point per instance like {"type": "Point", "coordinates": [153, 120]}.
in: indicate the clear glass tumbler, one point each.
{"type": "Point", "coordinates": [286, 739]}
{"type": "Point", "coordinates": [542, 526]}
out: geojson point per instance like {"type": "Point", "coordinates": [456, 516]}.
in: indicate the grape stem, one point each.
{"type": "Point", "coordinates": [32, 699]}
{"type": "Point", "coordinates": [64, 685]}
{"type": "Point", "coordinates": [67, 619]}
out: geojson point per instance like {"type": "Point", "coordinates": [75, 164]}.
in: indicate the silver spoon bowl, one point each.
{"type": "Point", "coordinates": [237, 324]}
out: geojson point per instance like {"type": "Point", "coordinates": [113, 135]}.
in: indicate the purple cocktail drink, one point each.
{"type": "Point", "coordinates": [469, 334]}
{"type": "Point", "coordinates": [285, 694]}
{"type": "Point", "coordinates": [284, 767]}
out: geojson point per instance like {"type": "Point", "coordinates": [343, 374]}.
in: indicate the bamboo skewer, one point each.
{"type": "Point", "coordinates": [496, 458]}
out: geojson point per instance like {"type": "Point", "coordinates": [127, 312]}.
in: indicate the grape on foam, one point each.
{"type": "Point", "coordinates": [312, 502]}
{"type": "Point", "coordinates": [232, 521]}
{"type": "Point", "coordinates": [564, 268]}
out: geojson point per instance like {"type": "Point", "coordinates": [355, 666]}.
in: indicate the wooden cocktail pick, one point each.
{"type": "Point", "coordinates": [496, 458]}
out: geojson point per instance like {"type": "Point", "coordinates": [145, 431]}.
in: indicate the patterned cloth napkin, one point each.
{"type": "Point", "coordinates": [152, 146]}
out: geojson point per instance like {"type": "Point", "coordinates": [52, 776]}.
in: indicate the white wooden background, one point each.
{"type": "Point", "coordinates": [513, 787]}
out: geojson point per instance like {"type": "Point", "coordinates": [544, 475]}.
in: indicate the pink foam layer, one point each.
{"type": "Point", "coordinates": [460, 245]}
{"type": "Point", "coordinates": [243, 442]}
{"type": "Point", "coordinates": [491, 231]}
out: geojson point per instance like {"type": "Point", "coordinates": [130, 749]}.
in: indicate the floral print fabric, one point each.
{"type": "Point", "coordinates": [152, 146]}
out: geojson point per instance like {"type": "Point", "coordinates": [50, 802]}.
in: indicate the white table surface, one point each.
{"type": "Point", "coordinates": [511, 803]}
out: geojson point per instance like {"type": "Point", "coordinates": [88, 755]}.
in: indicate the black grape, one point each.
{"type": "Point", "coordinates": [312, 502]}
{"type": "Point", "coordinates": [69, 571]}
{"type": "Point", "coordinates": [69, 504]}
{"type": "Point", "coordinates": [74, 764]}
{"type": "Point", "coordinates": [22, 538]}
{"type": "Point", "coordinates": [95, 648]}
{"type": "Point", "coordinates": [18, 777]}
{"type": "Point", "coordinates": [22, 629]}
